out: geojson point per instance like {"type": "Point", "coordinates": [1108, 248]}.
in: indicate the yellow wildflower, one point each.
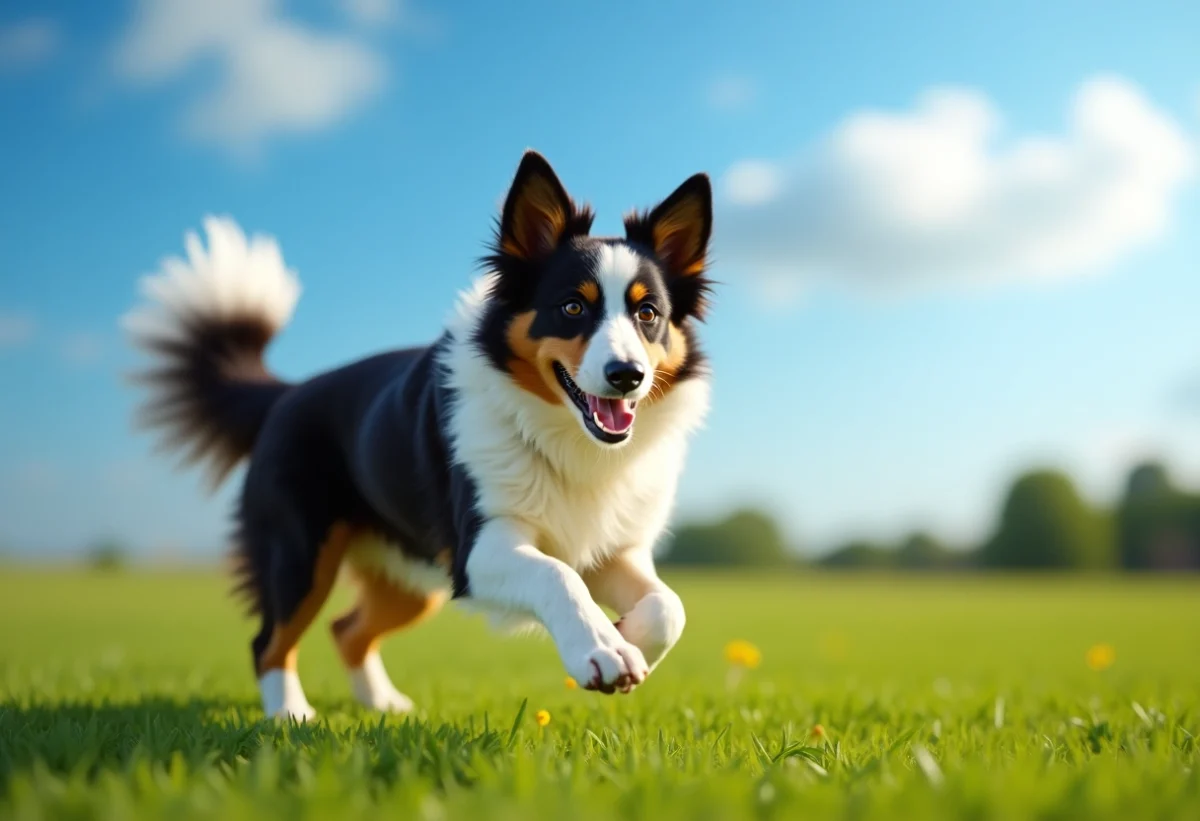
{"type": "Point", "coordinates": [743, 654]}
{"type": "Point", "coordinates": [571, 683]}
{"type": "Point", "coordinates": [1100, 657]}
{"type": "Point", "coordinates": [818, 731]}
{"type": "Point", "coordinates": [542, 718]}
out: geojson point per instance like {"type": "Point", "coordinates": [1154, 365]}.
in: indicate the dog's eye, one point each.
{"type": "Point", "coordinates": [573, 308]}
{"type": "Point", "coordinates": [647, 313]}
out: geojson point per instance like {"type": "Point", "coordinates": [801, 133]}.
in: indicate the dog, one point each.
{"type": "Point", "coordinates": [523, 464]}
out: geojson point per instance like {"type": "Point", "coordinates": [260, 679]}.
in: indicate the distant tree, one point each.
{"type": "Point", "coordinates": [106, 555]}
{"type": "Point", "coordinates": [859, 555]}
{"type": "Point", "coordinates": [1046, 524]}
{"type": "Point", "coordinates": [1148, 480]}
{"type": "Point", "coordinates": [747, 537]}
{"type": "Point", "coordinates": [1158, 526]}
{"type": "Point", "coordinates": [921, 551]}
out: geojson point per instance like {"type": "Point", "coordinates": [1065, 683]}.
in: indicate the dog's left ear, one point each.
{"type": "Point", "coordinates": [677, 230]}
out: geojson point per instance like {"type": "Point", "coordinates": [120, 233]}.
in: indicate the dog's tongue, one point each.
{"type": "Point", "coordinates": [615, 415]}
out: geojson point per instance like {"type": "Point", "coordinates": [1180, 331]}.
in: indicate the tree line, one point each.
{"type": "Point", "coordinates": [1043, 524]}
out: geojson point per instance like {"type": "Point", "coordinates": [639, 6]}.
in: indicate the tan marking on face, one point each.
{"type": "Point", "coordinates": [590, 291]}
{"type": "Point", "coordinates": [382, 608]}
{"type": "Point", "coordinates": [567, 351]}
{"type": "Point", "coordinates": [637, 292]}
{"type": "Point", "coordinates": [523, 364]}
{"type": "Point", "coordinates": [281, 650]}
{"type": "Point", "coordinates": [666, 364]}
{"type": "Point", "coordinates": [532, 362]}
{"type": "Point", "coordinates": [529, 378]}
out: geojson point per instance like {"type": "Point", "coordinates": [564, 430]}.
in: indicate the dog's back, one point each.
{"type": "Point", "coordinates": [466, 468]}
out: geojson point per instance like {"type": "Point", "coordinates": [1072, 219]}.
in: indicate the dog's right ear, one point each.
{"type": "Point", "coordinates": [538, 213]}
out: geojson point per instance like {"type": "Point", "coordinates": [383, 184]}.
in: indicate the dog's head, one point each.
{"type": "Point", "coordinates": [598, 325]}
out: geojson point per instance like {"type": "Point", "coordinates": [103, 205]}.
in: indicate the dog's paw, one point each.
{"type": "Point", "coordinates": [392, 701]}
{"type": "Point", "coordinates": [283, 697]}
{"type": "Point", "coordinates": [612, 666]}
{"type": "Point", "coordinates": [374, 690]}
{"type": "Point", "coordinates": [654, 625]}
{"type": "Point", "coordinates": [299, 713]}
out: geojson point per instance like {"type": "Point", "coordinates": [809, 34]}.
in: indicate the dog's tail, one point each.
{"type": "Point", "coordinates": [205, 326]}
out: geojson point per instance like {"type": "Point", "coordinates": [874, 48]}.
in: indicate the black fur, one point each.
{"type": "Point", "coordinates": [690, 292]}
{"type": "Point", "coordinates": [519, 273]}
{"type": "Point", "coordinates": [211, 391]}
{"type": "Point", "coordinates": [364, 444]}
{"type": "Point", "coordinates": [542, 283]}
{"type": "Point", "coordinates": [367, 444]}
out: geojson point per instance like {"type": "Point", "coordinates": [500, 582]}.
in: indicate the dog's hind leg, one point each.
{"type": "Point", "coordinates": [382, 608]}
{"type": "Point", "coordinates": [275, 662]}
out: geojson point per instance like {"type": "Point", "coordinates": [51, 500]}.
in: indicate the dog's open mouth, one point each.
{"type": "Point", "coordinates": [609, 420]}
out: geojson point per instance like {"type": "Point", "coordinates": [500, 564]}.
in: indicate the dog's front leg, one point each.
{"type": "Point", "coordinates": [506, 571]}
{"type": "Point", "coordinates": [652, 615]}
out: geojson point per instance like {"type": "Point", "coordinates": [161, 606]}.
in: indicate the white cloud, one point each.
{"type": "Point", "coordinates": [752, 182]}
{"type": "Point", "coordinates": [372, 12]}
{"type": "Point", "coordinates": [732, 93]}
{"type": "Point", "coordinates": [933, 196]}
{"type": "Point", "coordinates": [276, 75]}
{"type": "Point", "coordinates": [16, 329]}
{"type": "Point", "coordinates": [28, 43]}
{"type": "Point", "coordinates": [396, 14]}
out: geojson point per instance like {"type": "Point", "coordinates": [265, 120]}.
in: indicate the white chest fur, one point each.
{"type": "Point", "coordinates": [532, 461]}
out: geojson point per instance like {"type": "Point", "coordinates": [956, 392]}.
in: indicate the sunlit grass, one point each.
{"type": "Point", "coordinates": [130, 695]}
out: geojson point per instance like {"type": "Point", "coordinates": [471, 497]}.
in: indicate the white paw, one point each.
{"type": "Point", "coordinates": [654, 624]}
{"type": "Point", "coordinates": [392, 701]}
{"type": "Point", "coordinates": [611, 665]}
{"type": "Point", "coordinates": [373, 689]}
{"type": "Point", "coordinates": [298, 713]}
{"type": "Point", "coordinates": [283, 697]}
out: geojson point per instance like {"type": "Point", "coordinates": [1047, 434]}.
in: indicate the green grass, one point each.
{"type": "Point", "coordinates": [129, 696]}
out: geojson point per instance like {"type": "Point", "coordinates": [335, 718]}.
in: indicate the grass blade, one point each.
{"type": "Point", "coordinates": [512, 734]}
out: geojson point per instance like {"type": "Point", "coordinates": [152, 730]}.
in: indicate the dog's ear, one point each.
{"type": "Point", "coordinates": [677, 230]}
{"type": "Point", "coordinates": [538, 213]}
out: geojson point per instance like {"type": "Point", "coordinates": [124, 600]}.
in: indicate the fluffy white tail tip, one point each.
{"type": "Point", "coordinates": [234, 277]}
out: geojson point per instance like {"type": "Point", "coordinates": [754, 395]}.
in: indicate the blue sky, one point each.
{"type": "Point", "coordinates": [954, 240]}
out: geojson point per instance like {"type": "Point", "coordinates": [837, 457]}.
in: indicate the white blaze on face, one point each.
{"type": "Point", "coordinates": [616, 339]}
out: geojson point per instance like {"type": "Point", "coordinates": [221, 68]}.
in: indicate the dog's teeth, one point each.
{"type": "Point", "coordinates": [601, 425]}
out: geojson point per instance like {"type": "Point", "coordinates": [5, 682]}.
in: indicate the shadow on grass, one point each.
{"type": "Point", "coordinates": [84, 739]}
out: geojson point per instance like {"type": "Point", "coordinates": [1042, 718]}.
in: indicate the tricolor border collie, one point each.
{"type": "Point", "coordinates": [523, 463]}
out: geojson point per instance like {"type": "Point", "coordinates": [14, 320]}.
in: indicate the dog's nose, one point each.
{"type": "Point", "coordinates": [624, 376]}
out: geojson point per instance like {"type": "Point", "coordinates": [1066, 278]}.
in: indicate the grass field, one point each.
{"type": "Point", "coordinates": [129, 695]}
